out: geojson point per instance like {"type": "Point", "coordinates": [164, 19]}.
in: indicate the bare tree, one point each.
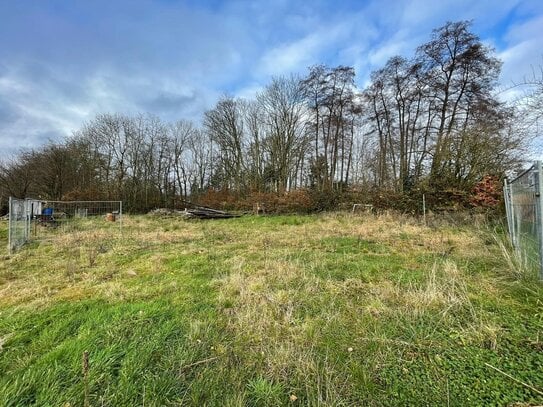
{"type": "Point", "coordinates": [330, 96]}
{"type": "Point", "coordinates": [282, 104]}
{"type": "Point", "coordinates": [460, 72]}
{"type": "Point", "coordinates": [182, 134]}
{"type": "Point", "coordinates": [224, 124]}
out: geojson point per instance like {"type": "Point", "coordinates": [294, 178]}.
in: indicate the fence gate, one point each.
{"type": "Point", "coordinates": [524, 209]}
{"type": "Point", "coordinates": [19, 224]}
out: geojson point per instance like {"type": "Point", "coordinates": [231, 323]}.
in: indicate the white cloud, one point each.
{"type": "Point", "coordinates": [175, 60]}
{"type": "Point", "coordinates": [250, 91]}
{"type": "Point", "coordinates": [329, 38]}
{"type": "Point", "coordinates": [523, 54]}
{"type": "Point", "coordinates": [291, 57]}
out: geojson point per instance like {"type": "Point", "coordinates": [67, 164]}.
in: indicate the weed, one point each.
{"type": "Point", "coordinates": [518, 262]}
{"type": "Point", "coordinates": [262, 392]}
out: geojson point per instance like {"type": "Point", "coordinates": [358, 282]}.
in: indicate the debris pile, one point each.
{"type": "Point", "coordinates": [202, 212]}
{"type": "Point", "coordinates": [197, 212]}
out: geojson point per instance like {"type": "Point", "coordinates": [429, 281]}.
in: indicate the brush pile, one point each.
{"type": "Point", "coordinates": [193, 211]}
{"type": "Point", "coordinates": [202, 212]}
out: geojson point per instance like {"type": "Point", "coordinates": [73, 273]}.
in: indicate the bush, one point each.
{"type": "Point", "coordinates": [220, 199]}
{"type": "Point", "coordinates": [325, 200]}
{"type": "Point", "coordinates": [297, 201]}
{"type": "Point", "coordinates": [487, 195]}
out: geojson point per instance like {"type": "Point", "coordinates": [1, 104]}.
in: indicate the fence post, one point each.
{"type": "Point", "coordinates": [507, 196]}
{"type": "Point", "coordinates": [10, 227]}
{"type": "Point", "coordinates": [424, 208]}
{"type": "Point", "coordinates": [539, 218]}
{"type": "Point", "coordinates": [121, 217]}
{"type": "Point", "coordinates": [28, 208]}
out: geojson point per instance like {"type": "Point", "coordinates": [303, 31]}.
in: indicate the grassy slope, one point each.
{"type": "Point", "coordinates": [334, 309]}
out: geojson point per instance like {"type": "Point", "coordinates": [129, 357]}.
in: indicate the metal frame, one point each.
{"type": "Point", "coordinates": [14, 242]}
{"type": "Point", "coordinates": [28, 216]}
{"type": "Point", "coordinates": [539, 215]}
{"type": "Point", "coordinates": [524, 206]}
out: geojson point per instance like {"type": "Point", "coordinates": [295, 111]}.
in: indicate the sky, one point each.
{"type": "Point", "coordinates": [64, 61]}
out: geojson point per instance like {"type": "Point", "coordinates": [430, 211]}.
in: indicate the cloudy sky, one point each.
{"type": "Point", "coordinates": [63, 61]}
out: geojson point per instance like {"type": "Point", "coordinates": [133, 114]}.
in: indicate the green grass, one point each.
{"type": "Point", "coordinates": [332, 310]}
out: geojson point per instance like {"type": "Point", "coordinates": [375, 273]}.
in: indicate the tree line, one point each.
{"type": "Point", "coordinates": [433, 121]}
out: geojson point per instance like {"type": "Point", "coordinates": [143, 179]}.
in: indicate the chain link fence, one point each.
{"type": "Point", "coordinates": [33, 219]}
{"type": "Point", "coordinates": [524, 209]}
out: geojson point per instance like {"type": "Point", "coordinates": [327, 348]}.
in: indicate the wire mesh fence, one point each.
{"type": "Point", "coordinates": [18, 228]}
{"type": "Point", "coordinates": [33, 219]}
{"type": "Point", "coordinates": [59, 217]}
{"type": "Point", "coordinates": [524, 209]}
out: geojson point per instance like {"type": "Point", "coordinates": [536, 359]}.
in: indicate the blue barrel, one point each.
{"type": "Point", "coordinates": [48, 211]}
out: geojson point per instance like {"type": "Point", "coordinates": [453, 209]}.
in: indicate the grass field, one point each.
{"type": "Point", "coordinates": [331, 310]}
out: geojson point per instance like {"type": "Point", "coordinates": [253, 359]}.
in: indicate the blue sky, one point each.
{"type": "Point", "coordinates": [62, 62]}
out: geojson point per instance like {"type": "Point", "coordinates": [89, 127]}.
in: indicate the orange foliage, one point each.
{"type": "Point", "coordinates": [487, 193]}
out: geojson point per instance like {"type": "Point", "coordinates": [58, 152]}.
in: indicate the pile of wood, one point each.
{"type": "Point", "coordinates": [202, 212]}
{"type": "Point", "coordinates": [193, 211]}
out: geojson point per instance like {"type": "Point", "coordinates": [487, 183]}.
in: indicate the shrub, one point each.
{"type": "Point", "coordinates": [487, 193]}
{"type": "Point", "coordinates": [297, 201]}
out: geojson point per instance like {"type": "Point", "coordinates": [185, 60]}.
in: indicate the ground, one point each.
{"type": "Point", "coordinates": [331, 310]}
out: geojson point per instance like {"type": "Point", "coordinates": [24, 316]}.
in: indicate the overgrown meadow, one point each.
{"type": "Point", "coordinates": [322, 310]}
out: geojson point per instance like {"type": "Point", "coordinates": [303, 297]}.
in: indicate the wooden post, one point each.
{"type": "Point", "coordinates": [424, 208]}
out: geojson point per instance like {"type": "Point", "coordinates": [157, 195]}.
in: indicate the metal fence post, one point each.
{"type": "Point", "coordinates": [513, 214]}
{"type": "Point", "coordinates": [10, 227]}
{"type": "Point", "coordinates": [121, 217]}
{"type": "Point", "coordinates": [28, 217]}
{"type": "Point", "coordinates": [508, 196]}
{"type": "Point", "coordinates": [539, 217]}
